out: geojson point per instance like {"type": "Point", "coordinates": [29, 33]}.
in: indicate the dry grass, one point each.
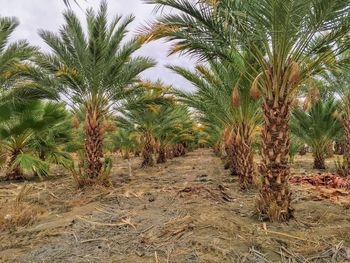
{"type": "Point", "coordinates": [21, 215]}
{"type": "Point", "coordinates": [17, 212]}
{"type": "Point", "coordinates": [187, 210]}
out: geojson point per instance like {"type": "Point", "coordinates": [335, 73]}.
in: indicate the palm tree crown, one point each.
{"type": "Point", "coordinates": [94, 69]}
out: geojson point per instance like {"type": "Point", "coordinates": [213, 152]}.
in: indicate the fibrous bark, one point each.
{"type": "Point", "coordinates": [346, 147]}
{"type": "Point", "coordinates": [244, 164]}
{"type": "Point", "coordinates": [338, 146]}
{"type": "Point", "coordinates": [13, 173]}
{"type": "Point", "coordinates": [179, 150]}
{"type": "Point", "coordinates": [319, 161]}
{"type": "Point", "coordinates": [161, 155]}
{"type": "Point", "coordinates": [231, 159]}
{"type": "Point", "coordinates": [147, 152]}
{"type": "Point", "coordinates": [93, 142]}
{"type": "Point", "coordinates": [275, 195]}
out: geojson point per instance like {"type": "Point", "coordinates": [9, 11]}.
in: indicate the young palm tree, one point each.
{"type": "Point", "coordinates": [317, 128]}
{"type": "Point", "coordinates": [126, 140]}
{"type": "Point", "coordinates": [339, 82]}
{"type": "Point", "coordinates": [237, 118]}
{"type": "Point", "coordinates": [173, 130]}
{"type": "Point", "coordinates": [31, 137]}
{"type": "Point", "coordinates": [294, 148]}
{"type": "Point", "coordinates": [161, 121]}
{"type": "Point", "coordinates": [291, 41]}
{"type": "Point", "coordinates": [140, 114]}
{"type": "Point", "coordinates": [93, 69]}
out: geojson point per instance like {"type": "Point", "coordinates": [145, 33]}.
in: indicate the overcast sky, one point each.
{"type": "Point", "coordinates": [47, 14]}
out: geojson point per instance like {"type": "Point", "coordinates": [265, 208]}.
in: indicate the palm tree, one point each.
{"type": "Point", "coordinates": [31, 137]}
{"type": "Point", "coordinates": [53, 136]}
{"type": "Point", "coordinates": [93, 70]}
{"type": "Point", "coordinates": [17, 72]}
{"type": "Point", "coordinates": [290, 40]}
{"type": "Point", "coordinates": [18, 78]}
{"type": "Point", "coordinates": [338, 81]}
{"type": "Point", "coordinates": [173, 129]}
{"type": "Point", "coordinates": [317, 128]}
{"type": "Point", "coordinates": [126, 140]}
{"type": "Point", "coordinates": [161, 122]}
{"type": "Point", "coordinates": [139, 115]}
{"type": "Point", "coordinates": [236, 118]}
{"type": "Point", "coordinates": [294, 148]}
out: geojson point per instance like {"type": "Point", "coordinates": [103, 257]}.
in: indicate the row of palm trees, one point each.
{"type": "Point", "coordinates": [95, 72]}
{"type": "Point", "coordinates": [164, 123]}
{"type": "Point", "coordinates": [254, 60]}
{"type": "Point", "coordinates": [284, 43]}
{"type": "Point", "coordinates": [236, 115]}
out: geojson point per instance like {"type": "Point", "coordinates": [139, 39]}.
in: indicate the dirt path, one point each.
{"type": "Point", "coordinates": [188, 210]}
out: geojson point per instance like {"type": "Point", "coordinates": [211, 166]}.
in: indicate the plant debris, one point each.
{"type": "Point", "coordinates": [188, 220]}
{"type": "Point", "coordinates": [324, 179]}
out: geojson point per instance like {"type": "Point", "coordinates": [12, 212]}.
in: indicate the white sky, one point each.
{"type": "Point", "coordinates": [47, 14]}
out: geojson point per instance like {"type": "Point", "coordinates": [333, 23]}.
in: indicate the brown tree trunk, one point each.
{"type": "Point", "coordinates": [176, 152]}
{"type": "Point", "coordinates": [161, 155]}
{"type": "Point", "coordinates": [93, 143]}
{"type": "Point", "coordinates": [182, 149]}
{"type": "Point", "coordinates": [42, 156]}
{"type": "Point", "coordinates": [319, 161]}
{"type": "Point", "coordinates": [346, 147]}
{"type": "Point", "coordinates": [13, 173]}
{"type": "Point", "coordinates": [147, 151]}
{"type": "Point", "coordinates": [244, 164]}
{"type": "Point", "coordinates": [338, 146]}
{"type": "Point", "coordinates": [303, 150]}
{"type": "Point", "coordinates": [231, 158]}
{"type": "Point", "coordinates": [275, 195]}
{"type": "Point", "coordinates": [170, 153]}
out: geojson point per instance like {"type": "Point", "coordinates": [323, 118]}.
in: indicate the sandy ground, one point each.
{"type": "Point", "coordinates": [187, 210]}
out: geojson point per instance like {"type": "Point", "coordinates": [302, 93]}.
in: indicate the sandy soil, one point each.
{"type": "Point", "coordinates": [187, 210]}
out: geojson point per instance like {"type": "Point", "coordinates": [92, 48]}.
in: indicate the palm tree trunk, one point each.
{"type": "Point", "coordinates": [346, 152]}
{"type": "Point", "coordinates": [338, 146]}
{"type": "Point", "coordinates": [161, 155]}
{"type": "Point", "coordinates": [170, 153]}
{"type": "Point", "coordinates": [319, 161]}
{"type": "Point", "coordinates": [303, 150]}
{"type": "Point", "coordinates": [93, 143]}
{"type": "Point", "coordinates": [182, 149]}
{"type": "Point", "coordinates": [230, 159]}
{"type": "Point", "coordinates": [275, 195]}
{"type": "Point", "coordinates": [147, 151]}
{"type": "Point", "coordinates": [244, 164]}
{"type": "Point", "coordinates": [42, 155]}
{"type": "Point", "coordinates": [176, 151]}
{"type": "Point", "coordinates": [13, 173]}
